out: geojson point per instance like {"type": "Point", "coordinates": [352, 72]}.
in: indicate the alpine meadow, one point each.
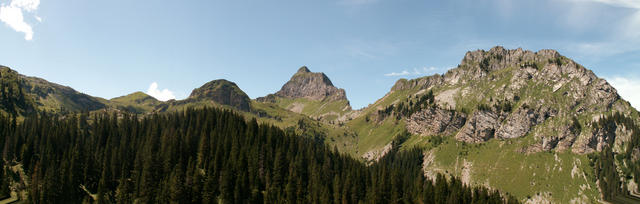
{"type": "Point", "coordinates": [340, 101]}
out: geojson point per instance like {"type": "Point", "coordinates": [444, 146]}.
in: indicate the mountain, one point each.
{"type": "Point", "coordinates": [137, 102]}
{"type": "Point", "coordinates": [511, 93]}
{"type": "Point", "coordinates": [536, 125]}
{"type": "Point", "coordinates": [530, 122]}
{"type": "Point", "coordinates": [312, 86]}
{"type": "Point", "coordinates": [312, 94]}
{"type": "Point", "coordinates": [22, 95]}
{"type": "Point", "coordinates": [222, 92]}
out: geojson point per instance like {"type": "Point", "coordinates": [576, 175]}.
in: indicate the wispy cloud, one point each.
{"type": "Point", "coordinates": [403, 73]}
{"type": "Point", "coordinates": [162, 95]}
{"type": "Point", "coordinates": [415, 71]}
{"type": "Point", "coordinates": [628, 88]}
{"type": "Point", "coordinates": [13, 15]}
{"type": "Point", "coordinates": [625, 36]}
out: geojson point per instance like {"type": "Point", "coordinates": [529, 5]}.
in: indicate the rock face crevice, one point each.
{"type": "Point", "coordinates": [310, 85]}
{"type": "Point", "coordinates": [541, 89]}
{"type": "Point", "coordinates": [481, 127]}
{"type": "Point", "coordinates": [435, 121]}
{"type": "Point", "coordinates": [520, 123]}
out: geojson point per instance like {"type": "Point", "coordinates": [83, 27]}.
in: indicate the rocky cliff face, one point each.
{"type": "Point", "coordinates": [481, 127]}
{"type": "Point", "coordinates": [222, 92]}
{"type": "Point", "coordinates": [514, 93]}
{"type": "Point", "coordinates": [312, 94]}
{"type": "Point", "coordinates": [435, 121]}
{"type": "Point", "coordinates": [310, 85]}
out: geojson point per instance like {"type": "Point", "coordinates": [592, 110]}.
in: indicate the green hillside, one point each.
{"type": "Point", "coordinates": [536, 125]}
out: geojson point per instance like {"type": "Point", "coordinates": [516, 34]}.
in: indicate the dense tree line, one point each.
{"type": "Point", "coordinates": [8, 125]}
{"type": "Point", "coordinates": [13, 99]}
{"type": "Point", "coordinates": [613, 189]}
{"type": "Point", "coordinates": [208, 156]}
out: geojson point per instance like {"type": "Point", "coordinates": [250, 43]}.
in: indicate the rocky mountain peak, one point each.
{"type": "Point", "coordinates": [504, 93]}
{"type": "Point", "coordinates": [311, 85]}
{"type": "Point", "coordinates": [499, 58]}
{"type": "Point", "coordinates": [303, 69]}
{"type": "Point", "coordinates": [222, 92]}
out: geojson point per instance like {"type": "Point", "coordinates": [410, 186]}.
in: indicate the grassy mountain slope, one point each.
{"type": "Point", "coordinates": [527, 123]}
{"type": "Point", "coordinates": [137, 102]}
{"type": "Point", "coordinates": [522, 121]}
{"type": "Point", "coordinates": [24, 94]}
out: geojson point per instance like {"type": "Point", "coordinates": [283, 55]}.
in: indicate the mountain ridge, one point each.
{"type": "Point", "coordinates": [533, 117]}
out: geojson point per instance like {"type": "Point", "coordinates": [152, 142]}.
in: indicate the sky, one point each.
{"type": "Point", "coordinates": [168, 48]}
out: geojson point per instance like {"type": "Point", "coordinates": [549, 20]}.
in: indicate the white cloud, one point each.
{"type": "Point", "coordinates": [628, 88]}
{"type": "Point", "coordinates": [27, 5]}
{"type": "Point", "coordinates": [403, 73]}
{"type": "Point", "coordinates": [624, 36]}
{"type": "Point", "coordinates": [13, 15]}
{"type": "Point", "coordinates": [416, 71]}
{"type": "Point", "coordinates": [162, 95]}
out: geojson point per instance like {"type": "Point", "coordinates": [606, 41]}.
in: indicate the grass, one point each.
{"type": "Point", "coordinates": [314, 108]}
{"type": "Point", "coordinates": [136, 102]}
{"type": "Point", "coordinates": [374, 135]}
{"type": "Point", "coordinates": [335, 135]}
{"type": "Point", "coordinates": [496, 163]}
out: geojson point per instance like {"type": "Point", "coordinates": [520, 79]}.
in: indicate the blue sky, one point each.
{"type": "Point", "coordinates": [112, 48]}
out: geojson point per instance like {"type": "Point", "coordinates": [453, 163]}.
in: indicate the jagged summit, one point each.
{"type": "Point", "coordinates": [223, 92]}
{"type": "Point", "coordinates": [498, 57]}
{"type": "Point", "coordinates": [532, 65]}
{"type": "Point", "coordinates": [312, 94]}
{"type": "Point", "coordinates": [303, 69]}
{"type": "Point", "coordinates": [311, 85]}
{"type": "Point", "coordinates": [541, 90]}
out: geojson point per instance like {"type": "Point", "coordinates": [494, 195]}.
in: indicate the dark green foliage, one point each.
{"type": "Point", "coordinates": [530, 64]}
{"type": "Point", "coordinates": [484, 107]}
{"type": "Point", "coordinates": [408, 107]}
{"type": "Point", "coordinates": [13, 96]}
{"type": "Point", "coordinates": [484, 64]}
{"type": "Point", "coordinates": [607, 175]}
{"type": "Point", "coordinates": [210, 156]}
{"type": "Point", "coordinates": [557, 60]}
{"type": "Point", "coordinates": [576, 128]}
{"type": "Point", "coordinates": [504, 106]}
{"type": "Point", "coordinates": [605, 162]}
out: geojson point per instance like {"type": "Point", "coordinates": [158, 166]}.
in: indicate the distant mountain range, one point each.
{"type": "Point", "coordinates": [528, 123]}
